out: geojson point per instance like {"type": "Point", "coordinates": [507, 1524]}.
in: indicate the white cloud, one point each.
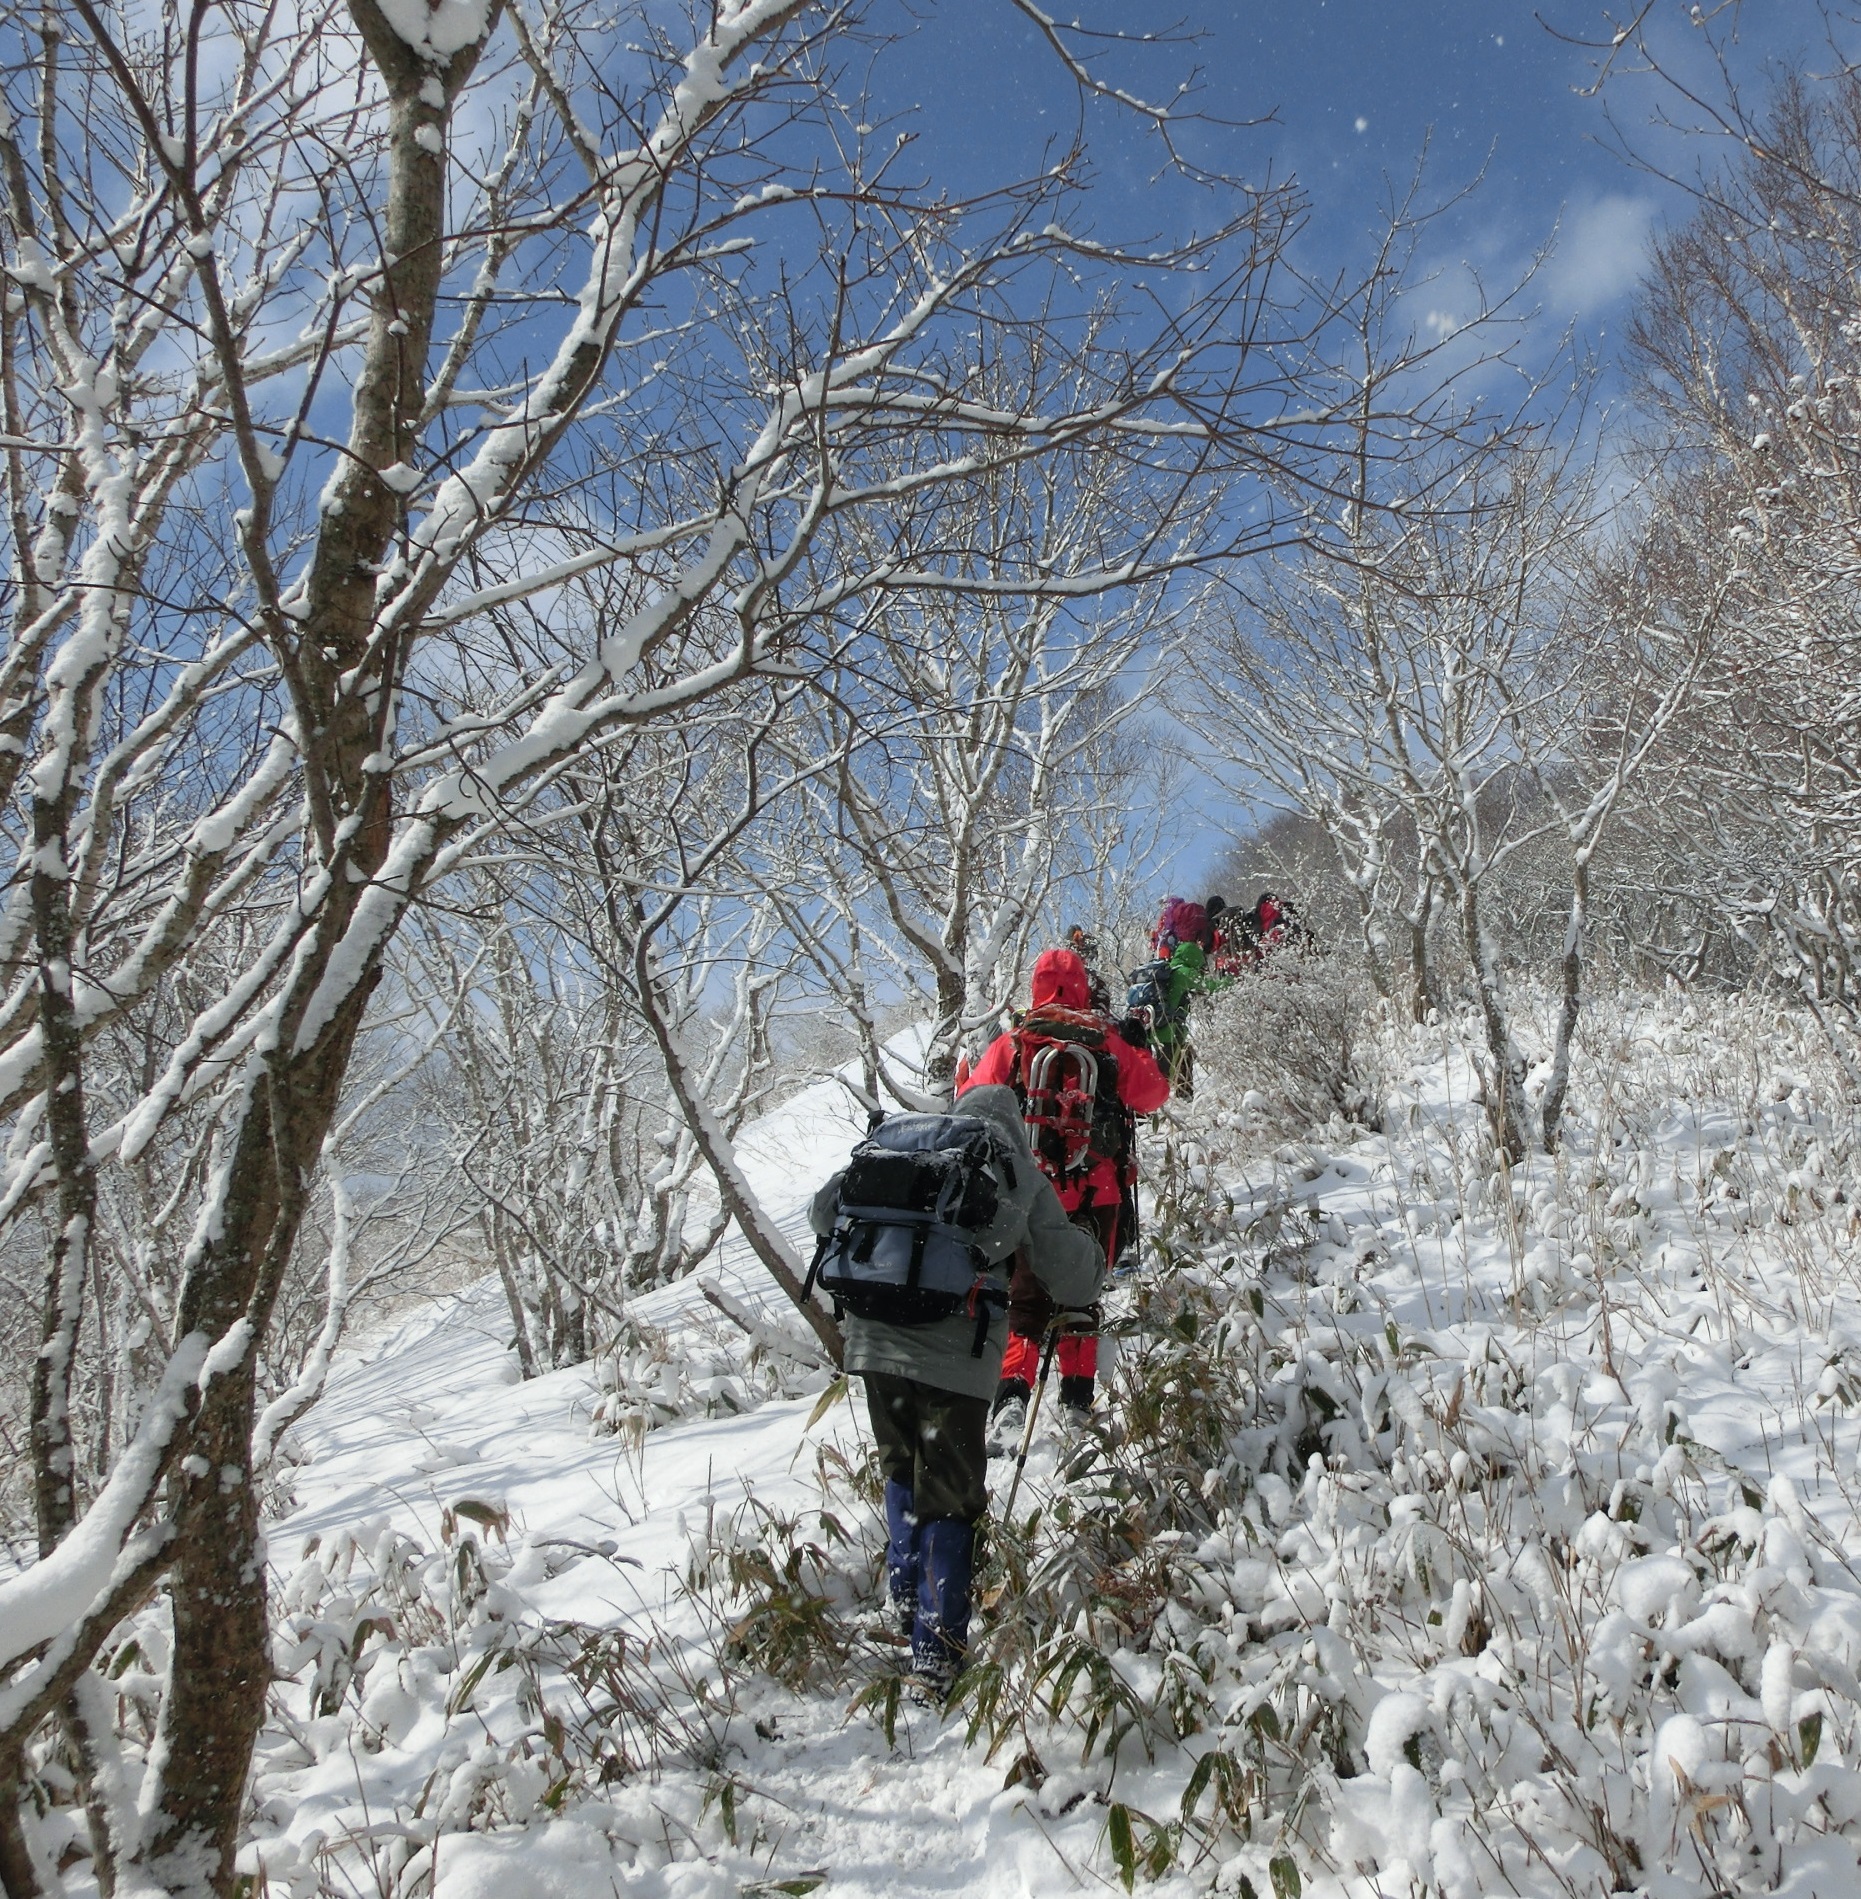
{"type": "Point", "coordinates": [1601, 249]}
{"type": "Point", "coordinates": [1363, 125]}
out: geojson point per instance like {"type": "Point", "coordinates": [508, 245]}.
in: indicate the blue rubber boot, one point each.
{"type": "Point", "coordinates": [940, 1635]}
{"type": "Point", "coordinates": [901, 1556]}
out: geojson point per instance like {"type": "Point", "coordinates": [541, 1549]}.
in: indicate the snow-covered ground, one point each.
{"type": "Point", "coordinates": [434, 1413]}
{"type": "Point", "coordinates": [1523, 1559]}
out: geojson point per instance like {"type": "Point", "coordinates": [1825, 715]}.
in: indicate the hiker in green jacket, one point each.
{"type": "Point", "coordinates": [1169, 1035]}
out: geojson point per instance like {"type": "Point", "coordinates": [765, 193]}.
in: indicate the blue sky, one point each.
{"type": "Point", "coordinates": [1353, 89]}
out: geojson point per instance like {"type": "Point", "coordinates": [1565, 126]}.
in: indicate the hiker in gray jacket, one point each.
{"type": "Point", "coordinates": [928, 1388]}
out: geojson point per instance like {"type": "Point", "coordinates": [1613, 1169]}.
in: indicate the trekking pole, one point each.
{"type": "Point", "coordinates": [1047, 1350]}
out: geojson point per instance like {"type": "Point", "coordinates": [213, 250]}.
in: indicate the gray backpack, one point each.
{"type": "Point", "coordinates": [916, 1197]}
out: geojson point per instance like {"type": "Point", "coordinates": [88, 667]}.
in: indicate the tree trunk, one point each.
{"type": "Point", "coordinates": [345, 684]}
{"type": "Point", "coordinates": [940, 1057]}
{"type": "Point", "coordinates": [1505, 1105]}
{"type": "Point", "coordinates": [1423, 994]}
{"type": "Point", "coordinates": [220, 1667]}
{"type": "Point", "coordinates": [222, 1652]}
{"type": "Point", "coordinates": [1570, 1003]}
{"type": "Point", "coordinates": [527, 1366]}
{"type": "Point", "coordinates": [1371, 935]}
{"type": "Point", "coordinates": [19, 1870]}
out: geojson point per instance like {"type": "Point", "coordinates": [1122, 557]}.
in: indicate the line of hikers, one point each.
{"type": "Point", "coordinates": [966, 1250]}
{"type": "Point", "coordinates": [1234, 941]}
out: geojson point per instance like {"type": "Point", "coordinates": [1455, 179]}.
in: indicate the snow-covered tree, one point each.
{"type": "Point", "coordinates": [975, 742]}
{"type": "Point", "coordinates": [1442, 683]}
{"type": "Point", "coordinates": [340, 347]}
{"type": "Point", "coordinates": [1747, 350]}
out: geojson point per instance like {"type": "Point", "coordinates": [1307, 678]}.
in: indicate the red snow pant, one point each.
{"type": "Point", "coordinates": [1078, 1356]}
{"type": "Point", "coordinates": [1030, 1312]}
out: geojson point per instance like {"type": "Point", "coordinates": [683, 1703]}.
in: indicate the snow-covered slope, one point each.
{"type": "Point", "coordinates": [1541, 1558]}
{"type": "Point", "coordinates": [435, 1409]}
{"type": "Point", "coordinates": [437, 1399]}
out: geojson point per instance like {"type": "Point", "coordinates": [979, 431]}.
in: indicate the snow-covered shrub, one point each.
{"type": "Point", "coordinates": [646, 1379]}
{"type": "Point", "coordinates": [418, 1689]}
{"type": "Point", "coordinates": [788, 1588]}
{"type": "Point", "coordinates": [1115, 1640]}
{"type": "Point", "coordinates": [1401, 1559]}
{"type": "Point", "coordinates": [1428, 1645]}
{"type": "Point", "coordinates": [1293, 1046]}
{"type": "Point", "coordinates": [1472, 1604]}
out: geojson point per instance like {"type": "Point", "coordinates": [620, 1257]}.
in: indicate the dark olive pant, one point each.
{"type": "Point", "coordinates": [933, 1444]}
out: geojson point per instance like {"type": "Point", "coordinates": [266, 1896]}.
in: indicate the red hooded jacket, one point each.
{"type": "Point", "coordinates": [1059, 986]}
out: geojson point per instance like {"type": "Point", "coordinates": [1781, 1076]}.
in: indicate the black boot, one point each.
{"type": "Point", "coordinates": [1009, 1391]}
{"type": "Point", "coordinates": [1076, 1395]}
{"type": "Point", "coordinates": [1007, 1416]}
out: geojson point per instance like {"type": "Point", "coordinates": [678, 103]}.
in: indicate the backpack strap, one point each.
{"type": "Point", "coordinates": [981, 1296]}
{"type": "Point", "coordinates": [814, 1269]}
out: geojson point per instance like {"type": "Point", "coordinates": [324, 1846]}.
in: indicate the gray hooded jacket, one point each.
{"type": "Point", "coordinates": [1067, 1262]}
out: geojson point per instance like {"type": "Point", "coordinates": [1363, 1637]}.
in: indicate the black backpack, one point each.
{"type": "Point", "coordinates": [916, 1195]}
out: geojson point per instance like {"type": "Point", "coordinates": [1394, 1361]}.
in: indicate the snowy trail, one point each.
{"type": "Point", "coordinates": [433, 1412]}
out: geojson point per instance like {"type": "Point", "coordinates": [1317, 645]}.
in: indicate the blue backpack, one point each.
{"type": "Point", "coordinates": [1149, 993]}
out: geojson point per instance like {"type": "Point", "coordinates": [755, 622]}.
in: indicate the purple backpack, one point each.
{"type": "Point", "coordinates": [1181, 922]}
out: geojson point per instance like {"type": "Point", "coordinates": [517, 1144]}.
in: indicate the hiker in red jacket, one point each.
{"type": "Point", "coordinates": [1277, 925]}
{"type": "Point", "coordinates": [1084, 1139]}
